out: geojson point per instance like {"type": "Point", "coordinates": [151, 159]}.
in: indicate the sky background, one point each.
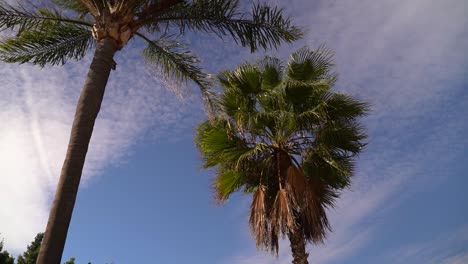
{"type": "Point", "coordinates": [144, 199]}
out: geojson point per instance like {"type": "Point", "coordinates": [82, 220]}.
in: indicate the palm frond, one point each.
{"type": "Point", "coordinates": [252, 151]}
{"type": "Point", "coordinates": [304, 95]}
{"type": "Point", "coordinates": [327, 107]}
{"type": "Point", "coordinates": [342, 106]}
{"type": "Point", "coordinates": [54, 45]}
{"type": "Point", "coordinates": [282, 218]}
{"type": "Point", "coordinates": [267, 27]}
{"type": "Point", "coordinates": [175, 62]}
{"type": "Point", "coordinates": [25, 19]}
{"type": "Point", "coordinates": [309, 196]}
{"type": "Point", "coordinates": [310, 65]}
{"type": "Point", "coordinates": [258, 219]}
{"type": "Point", "coordinates": [227, 182]}
{"type": "Point", "coordinates": [219, 146]}
{"type": "Point", "coordinates": [313, 110]}
{"type": "Point", "coordinates": [331, 168]}
{"type": "Point", "coordinates": [245, 94]}
{"type": "Point", "coordinates": [315, 224]}
{"type": "Point", "coordinates": [235, 105]}
{"type": "Point", "coordinates": [340, 136]}
{"type": "Point", "coordinates": [272, 70]}
{"type": "Point", "coordinates": [246, 79]}
{"type": "Point", "coordinates": [296, 184]}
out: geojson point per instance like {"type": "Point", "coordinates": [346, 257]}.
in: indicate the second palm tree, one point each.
{"type": "Point", "coordinates": [280, 133]}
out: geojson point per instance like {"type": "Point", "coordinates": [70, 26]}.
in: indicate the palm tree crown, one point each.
{"type": "Point", "coordinates": [280, 133]}
{"type": "Point", "coordinates": [51, 36]}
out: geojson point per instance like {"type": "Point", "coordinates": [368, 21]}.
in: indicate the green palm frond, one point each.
{"type": "Point", "coordinates": [214, 140]}
{"type": "Point", "coordinates": [37, 19]}
{"type": "Point", "coordinates": [340, 136]}
{"type": "Point", "coordinates": [264, 122]}
{"type": "Point", "coordinates": [332, 168]}
{"type": "Point", "coordinates": [246, 79]}
{"type": "Point", "coordinates": [53, 45]}
{"type": "Point", "coordinates": [175, 61]}
{"type": "Point", "coordinates": [231, 178]}
{"type": "Point", "coordinates": [220, 146]}
{"type": "Point", "coordinates": [227, 182]}
{"type": "Point", "coordinates": [307, 65]}
{"type": "Point", "coordinates": [267, 27]}
{"type": "Point", "coordinates": [342, 106]}
{"type": "Point", "coordinates": [272, 70]}
{"type": "Point", "coordinates": [236, 105]}
{"type": "Point", "coordinates": [245, 97]}
{"type": "Point", "coordinates": [305, 95]}
{"type": "Point", "coordinates": [319, 107]}
{"type": "Point", "coordinates": [251, 152]}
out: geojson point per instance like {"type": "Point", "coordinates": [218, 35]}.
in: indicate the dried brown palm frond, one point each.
{"type": "Point", "coordinates": [274, 242]}
{"type": "Point", "coordinates": [282, 218]}
{"type": "Point", "coordinates": [296, 185]}
{"type": "Point", "coordinates": [313, 215]}
{"type": "Point", "coordinates": [258, 218]}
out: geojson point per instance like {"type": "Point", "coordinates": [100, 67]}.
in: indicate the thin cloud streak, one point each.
{"type": "Point", "coordinates": [457, 259]}
{"type": "Point", "coordinates": [407, 58]}
{"type": "Point", "coordinates": [447, 248]}
{"type": "Point", "coordinates": [36, 113]}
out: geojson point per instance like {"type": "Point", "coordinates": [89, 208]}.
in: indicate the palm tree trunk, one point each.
{"type": "Point", "coordinates": [296, 238]}
{"type": "Point", "coordinates": [86, 112]}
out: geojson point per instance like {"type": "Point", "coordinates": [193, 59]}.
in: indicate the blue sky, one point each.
{"type": "Point", "coordinates": [145, 200]}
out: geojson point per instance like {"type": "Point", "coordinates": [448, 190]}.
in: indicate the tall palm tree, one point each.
{"type": "Point", "coordinates": [281, 133]}
{"type": "Point", "coordinates": [53, 36]}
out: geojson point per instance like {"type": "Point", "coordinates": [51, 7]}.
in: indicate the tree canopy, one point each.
{"type": "Point", "coordinates": [5, 257]}
{"type": "Point", "coordinates": [29, 256]}
{"type": "Point", "coordinates": [280, 132]}
{"type": "Point", "coordinates": [31, 253]}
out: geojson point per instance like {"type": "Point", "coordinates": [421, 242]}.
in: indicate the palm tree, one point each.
{"type": "Point", "coordinates": [52, 36]}
{"type": "Point", "coordinates": [280, 133]}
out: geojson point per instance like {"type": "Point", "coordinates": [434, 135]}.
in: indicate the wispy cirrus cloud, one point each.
{"type": "Point", "coordinates": [408, 59]}
{"type": "Point", "coordinates": [36, 113]}
{"type": "Point", "coordinates": [457, 259]}
{"type": "Point", "coordinates": [447, 248]}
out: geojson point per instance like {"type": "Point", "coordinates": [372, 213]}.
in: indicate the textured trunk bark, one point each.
{"type": "Point", "coordinates": [296, 238]}
{"type": "Point", "coordinates": [86, 112]}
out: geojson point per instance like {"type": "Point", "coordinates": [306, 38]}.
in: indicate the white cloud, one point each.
{"type": "Point", "coordinates": [36, 112]}
{"type": "Point", "coordinates": [446, 248]}
{"type": "Point", "coordinates": [407, 58]}
{"type": "Point", "coordinates": [457, 259]}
